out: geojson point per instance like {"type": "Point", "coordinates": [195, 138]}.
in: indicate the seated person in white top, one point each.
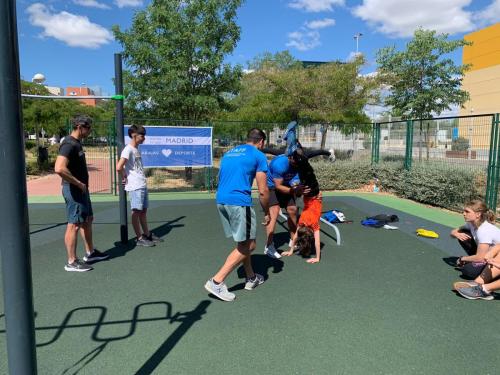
{"type": "Point", "coordinates": [477, 237]}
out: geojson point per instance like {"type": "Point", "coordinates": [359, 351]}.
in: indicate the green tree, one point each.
{"type": "Point", "coordinates": [51, 115]}
{"type": "Point", "coordinates": [423, 80]}
{"type": "Point", "coordinates": [331, 94]}
{"type": "Point", "coordinates": [174, 55]}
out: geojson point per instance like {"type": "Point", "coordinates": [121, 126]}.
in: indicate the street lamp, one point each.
{"type": "Point", "coordinates": [357, 36]}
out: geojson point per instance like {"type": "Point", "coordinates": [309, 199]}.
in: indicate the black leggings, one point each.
{"type": "Point", "coordinates": [470, 246]}
{"type": "Point", "coordinates": [473, 269]}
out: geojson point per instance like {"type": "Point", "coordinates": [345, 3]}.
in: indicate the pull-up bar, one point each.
{"type": "Point", "coordinates": [112, 97]}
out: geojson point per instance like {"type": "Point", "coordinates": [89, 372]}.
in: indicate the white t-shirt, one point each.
{"type": "Point", "coordinates": [136, 179]}
{"type": "Point", "coordinates": [486, 233]}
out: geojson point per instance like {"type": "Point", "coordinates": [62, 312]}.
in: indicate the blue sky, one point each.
{"type": "Point", "coordinates": [70, 42]}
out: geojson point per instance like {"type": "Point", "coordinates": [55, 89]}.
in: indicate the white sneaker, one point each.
{"type": "Point", "coordinates": [271, 252]}
{"type": "Point", "coordinates": [219, 290]}
{"type": "Point", "coordinates": [255, 282]}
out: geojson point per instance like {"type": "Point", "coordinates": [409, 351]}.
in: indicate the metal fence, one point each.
{"type": "Point", "coordinates": [100, 153]}
{"type": "Point", "coordinates": [467, 143]}
{"type": "Point", "coordinates": [464, 143]}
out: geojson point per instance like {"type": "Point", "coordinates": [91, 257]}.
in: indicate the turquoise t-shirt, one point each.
{"type": "Point", "coordinates": [280, 168]}
{"type": "Point", "coordinates": [237, 172]}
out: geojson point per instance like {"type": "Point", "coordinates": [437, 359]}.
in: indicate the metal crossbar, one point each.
{"type": "Point", "coordinates": [113, 97]}
{"type": "Point", "coordinates": [333, 226]}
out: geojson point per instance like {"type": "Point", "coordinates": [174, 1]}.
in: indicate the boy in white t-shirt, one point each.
{"type": "Point", "coordinates": [131, 170]}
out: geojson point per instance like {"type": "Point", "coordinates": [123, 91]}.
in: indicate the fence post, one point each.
{"type": "Point", "coordinates": [375, 143]}
{"type": "Point", "coordinates": [120, 142]}
{"type": "Point", "coordinates": [112, 171]}
{"type": "Point", "coordinates": [493, 165]}
{"type": "Point", "coordinates": [494, 197]}
{"type": "Point", "coordinates": [409, 145]}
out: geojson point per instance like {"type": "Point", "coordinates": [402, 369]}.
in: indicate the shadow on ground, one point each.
{"type": "Point", "coordinates": [186, 319]}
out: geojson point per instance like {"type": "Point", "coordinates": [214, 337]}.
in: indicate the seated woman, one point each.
{"type": "Point", "coordinates": [487, 282]}
{"type": "Point", "coordinates": [477, 237]}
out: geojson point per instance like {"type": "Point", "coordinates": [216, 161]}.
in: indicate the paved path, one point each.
{"type": "Point", "coordinates": [99, 175]}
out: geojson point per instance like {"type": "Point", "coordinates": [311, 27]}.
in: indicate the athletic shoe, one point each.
{"type": "Point", "coordinates": [219, 290]}
{"type": "Point", "coordinates": [143, 241]}
{"type": "Point", "coordinates": [271, 251]}
{"type": "Point", "coordinates": [154, 238]}
{"type": "Point", "coordinates": [77, 266]}
{"type": "Point", "coordinates": [255, 282]}
{"type": "Point", "coordinates": [95, 256]}
{"type": "Point", "coordinates": [475, 292]}
{"type": "Point", "coordinates": [464, 284]}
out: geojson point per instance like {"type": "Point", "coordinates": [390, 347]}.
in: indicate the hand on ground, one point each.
{"type": "Point", "coordinates": [312, 260]}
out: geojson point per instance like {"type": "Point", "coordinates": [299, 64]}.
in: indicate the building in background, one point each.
{"type": "Point", "coordinates": [482, 82]}
{"type": "Point", "coordinates": [58, 91]}
{"type": "Point", "coordinates": [82, 91]}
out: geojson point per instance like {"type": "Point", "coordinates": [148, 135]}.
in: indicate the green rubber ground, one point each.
{"type": "Point", "coordinates": [381, 303]}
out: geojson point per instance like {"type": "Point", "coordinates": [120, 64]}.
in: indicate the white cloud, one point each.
{"type": "Point", "coordinates": [303, 40]}
{"type": "Point", "coordinates": [74, 30]}
{"type": "Point", "coordinates": [128, 3]}
{"type": "Point", "coordinates": [315, 5]}
{"type": "Point", "coordinates": [91, 4]}
{"type": "Point", "coordinates": [320, 24]}
{"type": "Point", "coordinates": [398, 18]}
{"type": "Point", "coordinates": [490, 14]}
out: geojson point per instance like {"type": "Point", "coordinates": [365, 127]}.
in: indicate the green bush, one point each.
{"type": "Point", "coordinates": [33, 168]}
{"type": "Point", "coordinates": [460, 144]}
{"type": "Point", "coordinates": [435, 184]}
{"type": "Point", "coordinates": [29, 144]}
{"type": "Point", "coordinates": [429, 183]}
{"type": "Point", "coordinates": [343, 154]}
{"type": "Point", "coordinates": [398, 158]}
{"type": "Point", "coordinates": [342, 175]}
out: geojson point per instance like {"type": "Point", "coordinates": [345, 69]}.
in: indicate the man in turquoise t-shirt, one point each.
{"type": "Point", "coordinates": [238, 168]}
{"type": "Point", "coordinates": [284, 188]}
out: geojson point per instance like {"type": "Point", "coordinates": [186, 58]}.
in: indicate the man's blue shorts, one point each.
{"type": "Point", "coordinates": [139, 199]}
{"type": "Point", "coordinates": [78, 205]}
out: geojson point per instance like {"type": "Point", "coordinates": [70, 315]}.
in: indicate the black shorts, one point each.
{"type": "Point", "coordinates": [284, 200]}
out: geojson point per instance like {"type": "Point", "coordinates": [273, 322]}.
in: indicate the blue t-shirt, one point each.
{"type": "Point", "coordinates": [280, 168]}
{"type": "Point", "coordinates": [237, 171]}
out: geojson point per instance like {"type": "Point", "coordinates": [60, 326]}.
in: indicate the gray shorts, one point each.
{"type": "Point", "coordinates": [239, 222]}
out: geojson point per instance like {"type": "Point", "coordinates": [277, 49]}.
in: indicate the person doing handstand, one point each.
{"type": "Point", "coordinates": [307, 234]}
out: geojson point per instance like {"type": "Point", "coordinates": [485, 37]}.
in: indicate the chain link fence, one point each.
{"type": "Point", "coordinates": [463, 152]}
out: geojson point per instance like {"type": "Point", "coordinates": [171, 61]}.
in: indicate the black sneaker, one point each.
{"type": "Point", "coordinates": [77, 266]}
{"type": "Point", "coordinates": [95, 256]}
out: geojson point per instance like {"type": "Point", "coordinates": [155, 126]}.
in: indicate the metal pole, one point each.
{"type": "Point", "coordinates": [120, 143]}
{"type": "Point", "coordinates": [14, 231]}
